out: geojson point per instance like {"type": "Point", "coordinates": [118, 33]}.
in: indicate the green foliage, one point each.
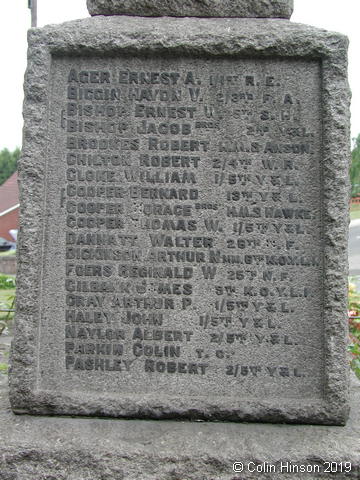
{"type": "Point", "coordinates": [355, 168]}
{"type": "Point", "coordinates": [7, 302]}
{"type": "Point", "coordinates": [8, 163]}
{"type": "Point", "coordinates": [3, 368]}
{"type": "Point", "coordinates": [354, 328]}
{"type": "Point", "coordinates": [7, 282]}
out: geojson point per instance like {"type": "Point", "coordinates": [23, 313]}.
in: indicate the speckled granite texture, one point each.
{"type": "Point", "coordinates": [39, 381]}
{"type": "Point", "coordinates": [193, 8]}
{"type": "Point", "coordinates": [43, 448]}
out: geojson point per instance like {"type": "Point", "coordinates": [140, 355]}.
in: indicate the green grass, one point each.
{"type": "Point", "coordinates": [6, 304]}
{"type": "Point", "coordinates": [8, 253]}
{"type": "Point", "coordinates": [355, 211]}
{"type": "Point", "coordinates": [7, 282]}
{"type": "Point", "coordinates": [5, 294]}
{"type": "Point", "coordinates": [3, 368]}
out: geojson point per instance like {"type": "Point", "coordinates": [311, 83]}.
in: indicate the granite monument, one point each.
{"type": "Point", "coordinates": [183, 241]}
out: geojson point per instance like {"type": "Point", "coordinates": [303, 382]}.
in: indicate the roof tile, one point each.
{"type": "Point", "coordinates": [9, 193]}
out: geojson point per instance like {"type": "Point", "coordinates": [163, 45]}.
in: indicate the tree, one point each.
{"type": "Point", "coordinates": [8, 163]}
{"type": "Point", "coordinates": [355, 168]}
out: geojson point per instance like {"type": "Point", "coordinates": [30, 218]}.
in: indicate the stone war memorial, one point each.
{"type": "Point", "coordinates": [183, 248]}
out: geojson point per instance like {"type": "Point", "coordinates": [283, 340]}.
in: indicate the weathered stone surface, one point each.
{"type": "Point", "coordinates": [193, 8]}
{"type": "Point", "coordinates": [94, 449]}
{"type": "Point", "coordinates": [265, 339]}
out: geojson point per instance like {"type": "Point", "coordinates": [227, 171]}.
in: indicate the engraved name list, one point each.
{"type": "Point", "coordinates": [188, 227]}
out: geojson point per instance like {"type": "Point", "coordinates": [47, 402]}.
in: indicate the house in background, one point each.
{"type": "Point", "coordinates": [9, 208]}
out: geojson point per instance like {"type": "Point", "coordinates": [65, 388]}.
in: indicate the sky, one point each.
{"type": "Point", "coordinates": [341, 16]}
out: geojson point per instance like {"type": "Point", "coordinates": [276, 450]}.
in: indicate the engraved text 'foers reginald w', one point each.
{"type": "Point", "coordinates": [187, 242]}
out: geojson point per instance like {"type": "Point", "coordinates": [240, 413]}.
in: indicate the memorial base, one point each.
{"type": "Point", "coordinates": [62, 448]}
